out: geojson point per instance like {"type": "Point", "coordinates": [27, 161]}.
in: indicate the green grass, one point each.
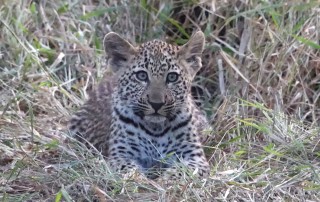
{"type": "Point", "coordinates": [261, 73]}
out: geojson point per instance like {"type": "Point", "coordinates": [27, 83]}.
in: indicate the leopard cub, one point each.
{"type": "Point", "coordinates": [144, 117]}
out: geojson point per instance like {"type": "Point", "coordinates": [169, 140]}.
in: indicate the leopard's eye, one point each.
{"type": "Point", "coordinates": [142, 75]}
{"type": "Point", "coordinates": [172, 77]}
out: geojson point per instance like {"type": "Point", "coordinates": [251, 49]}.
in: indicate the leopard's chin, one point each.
{"type": "Point", "coordinates": [155, 118]}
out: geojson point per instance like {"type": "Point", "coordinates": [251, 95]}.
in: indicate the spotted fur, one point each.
{"type": "Point", "coordinates": [150, 123]}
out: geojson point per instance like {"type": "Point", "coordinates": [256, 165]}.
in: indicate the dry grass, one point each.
{"type": "Point", "coordinates": [262, 76]}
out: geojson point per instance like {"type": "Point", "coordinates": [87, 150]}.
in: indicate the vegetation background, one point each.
{"type": "Point", "coordinates": [260, 85]}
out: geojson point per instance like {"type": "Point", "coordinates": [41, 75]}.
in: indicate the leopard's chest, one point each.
{"type": "Point", "coordinates": [149, 150]}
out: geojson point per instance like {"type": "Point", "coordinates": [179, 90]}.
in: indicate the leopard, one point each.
{"type": "Point", "coordinates": [143, 117]}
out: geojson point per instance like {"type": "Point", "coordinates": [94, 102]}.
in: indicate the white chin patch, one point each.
{"type": "Point", "coordinates": [155, 118]}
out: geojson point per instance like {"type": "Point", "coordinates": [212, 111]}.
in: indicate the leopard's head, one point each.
{"type": "Point", "coordinates": [154, 79]}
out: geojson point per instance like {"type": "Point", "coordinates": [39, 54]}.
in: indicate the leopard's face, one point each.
{"type": "Point", "coordinates": [154, 79]}
{"type": "Point", "coordinates": [156, 84]}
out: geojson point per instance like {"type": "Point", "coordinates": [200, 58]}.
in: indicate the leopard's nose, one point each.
{"type": "Point", "coordinates": [156, 105]}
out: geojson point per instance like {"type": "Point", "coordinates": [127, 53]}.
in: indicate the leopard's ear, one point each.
{"type": "Point", "coordinates": [119, 51]}
{"type": "Point", "coordinates": [190, 53]}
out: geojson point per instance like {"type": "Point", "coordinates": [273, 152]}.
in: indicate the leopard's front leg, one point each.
{"type": "Point", "coordinates": [191, 161]}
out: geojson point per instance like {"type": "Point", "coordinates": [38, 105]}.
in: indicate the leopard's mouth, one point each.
{"type": "Point", "coordinates": [155, 118]}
